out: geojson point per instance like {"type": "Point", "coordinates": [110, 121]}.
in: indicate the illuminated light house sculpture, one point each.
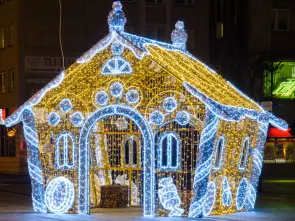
{"type": "Point", "coordinates": [197, 141]}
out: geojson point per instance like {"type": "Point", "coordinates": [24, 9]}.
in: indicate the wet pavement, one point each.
{"type": "Point", "coordinates": [15, 204]}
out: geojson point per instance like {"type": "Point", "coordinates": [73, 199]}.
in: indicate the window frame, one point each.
{"type": "Point", "coordinates": [216, 151]}
{"type": "Point", "coordinates": [11, 80]}
{"type": "Point", "coordinates": [11, 34]}
{"type": "Point", "coordinates": [66, 163]}
{"type": "Point", "coordinates": [276, 12]}
{"type": "Point", "coordinates": [2, 82]}
{"type": "Point", "coordinates": [2, 38]}
{"type": "Point", "coordinates": [169, 166]}
{"type": "Point", "coordinates": [131, 163]}
{"type": "Point", "coordinates": [244, 166]}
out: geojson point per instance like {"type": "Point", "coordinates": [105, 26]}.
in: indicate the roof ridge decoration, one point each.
{"type": "Point", "coordinates": [118, 39]}
{"type": "Point", "coordinates": [179, 36]}
{"type": "Point", "coordinates": [116, 18]}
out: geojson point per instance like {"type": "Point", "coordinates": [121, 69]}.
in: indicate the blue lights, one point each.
{"type": "Point", "coordinates": [65, 105]}
{"type": "Point", "coordinates": [101, 98]}
{"type": "Point", "coordinates": [148, 155]}
{"type": "Point", "coordinates": [244, 154]}
{"type": "Point", "coordinates": [172, 140]}
{"type": "Point", "coordinates": [170, 104]}
{"type": "Point", "coordinates": [132, 96]}
{"type": "Point", "coordinates": [116, 66]}
{"type": "Point", "coordinates": [218, 153]}
{"type": "Point", "coordinates": [77, 119]}
{"type": "Point", "coordinates": [203, 165]}
{"type": "Point", "coordinates": [157, 117]}
{"type": "Point", "coordinates": [34, 163]}
{"type": "Point", "coordinates": [116, 89]}
{"type": "Point", "coordinates": [116, 18]}
{"type": "Point", "coordinates": [226, 193]}
{"type": "Point", "coordinates": [169, 197]}
{"type": "Point", "coordinates": [182, 117]}
{"type": "Point", "coordinates": [65, 141]}
{"type": "Point", "coordinates": [59, 195]}
{"type": "Point", "coordinates": [209, 201]}
{"type": "Point", "coordinates": [53, 118]}
{"type": "Point", "coordinates": [241, 194]}
{"type": "Point", "coordinates": [117, 49]}
{"type": "Point", "coordinates": [179, 36]}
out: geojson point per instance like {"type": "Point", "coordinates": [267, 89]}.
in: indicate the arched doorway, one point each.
{"type": "Point", "coordinates": [148, 155]}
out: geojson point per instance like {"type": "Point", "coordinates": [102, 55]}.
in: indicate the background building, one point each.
{"type": "Point", "coordinates": [30, 54]}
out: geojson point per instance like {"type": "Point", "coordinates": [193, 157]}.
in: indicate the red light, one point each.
{"type": "Point", "coordinates": [3, 111]}
{"type": "Point", "coordinates": [275, 132]}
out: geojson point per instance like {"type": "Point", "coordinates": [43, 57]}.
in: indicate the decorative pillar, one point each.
{"type": "Point", "coordinates": [203, 164]}
{"type": "Point", "coordinates": [34, 163]}
{"type": "Point", "coordinates": [257, 154]}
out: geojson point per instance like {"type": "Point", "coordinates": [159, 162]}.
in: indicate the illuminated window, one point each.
{"type": "Point", "coordinates": [218, 153]}
{"type": "Point", "coordinates": [65, 151]}
{"type": "Point", "coordinates": [2, 38]}
{"type": "Point", "coordinates": [169, 151]}
{"type": "Point", "coordinates": [281, 82]}
{"type": "Point", "coordinates": [280, 20]}
{"type": "Point", "coordinates": [11, 79]}
{"type": "Point", "coordinates": [244, 154]}
{"type": "Point", "coordinates": [2, 82]}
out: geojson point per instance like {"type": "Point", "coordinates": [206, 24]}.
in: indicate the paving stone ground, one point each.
{"type": "Point", "coordinates": [15, 205]}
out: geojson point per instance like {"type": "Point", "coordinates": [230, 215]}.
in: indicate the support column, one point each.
{"type": "Point", "coordinates": [34, 163]}
{"type": "Point", "coordinates": [257, 154]}
{"type": "Point", "coordinates": [203, 164]}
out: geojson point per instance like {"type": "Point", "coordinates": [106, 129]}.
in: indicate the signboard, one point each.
{"type": "Point", "coordinates": [54, 65]}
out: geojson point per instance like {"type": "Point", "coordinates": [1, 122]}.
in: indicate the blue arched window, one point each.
{"type": "Point", "coordinates": [169, 151]}
{"type": "Point", "coordinates": [218, 153]}
{"type": "Point", "coordinates": [244, 154]}
{"type": "Point", "coordinates": [65, 151]}
{"type": "Point", "coordinates": [131, 152]}
{"type": "Point", "coordinates": [116, 66]}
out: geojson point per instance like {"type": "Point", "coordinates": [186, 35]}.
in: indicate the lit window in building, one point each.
{"type": "Point", "coordinates": [2, 82]}
{"type": "Point", "coordinates": [244, 154]}
{"type": "Point", "coordinates": [280, 81]}
{"type": "Point", "coordinates": [280, 20]}
{"type": "Point", "coordinates": [2, 38]}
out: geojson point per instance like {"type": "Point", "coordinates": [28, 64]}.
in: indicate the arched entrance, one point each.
{"type": "Point", "coordinates": [148, 155]}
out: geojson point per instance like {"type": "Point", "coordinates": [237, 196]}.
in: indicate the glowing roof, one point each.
{"type": "Point", "coordinates": [201, 81]}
